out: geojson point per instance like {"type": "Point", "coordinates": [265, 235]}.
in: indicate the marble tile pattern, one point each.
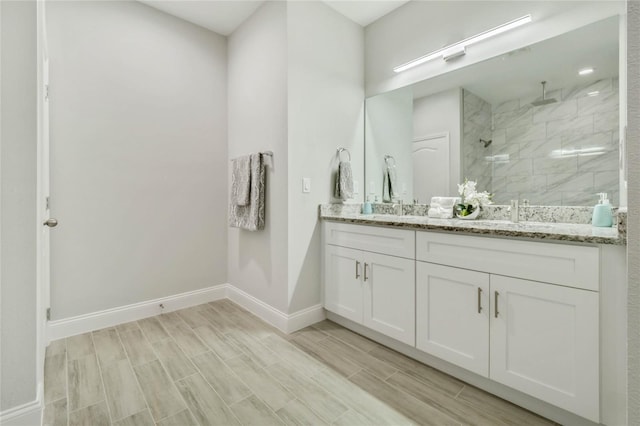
{"type": "Point", "coordinates": [321, 375]}
{"type": "Point", "coordinates": [494, 221]}
{"type": "Point", "coordinates": [557, 154]}
{"type": "Point", "coordinates": [476, 158]}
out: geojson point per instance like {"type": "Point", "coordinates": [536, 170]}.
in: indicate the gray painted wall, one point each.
{"type": "Point", "coordinates": [633, 227]}
{"type": "Point", "coordinates": [257, 261]}
{"type": "Point", "coordinates": [18, 142]}
{"type": "Point", "coordinates": [325, 104]}
{"type": "Point", "coordinates": [139, 155]}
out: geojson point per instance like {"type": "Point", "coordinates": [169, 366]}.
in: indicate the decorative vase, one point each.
{"type": "Point", "coordinates": [471, 216]}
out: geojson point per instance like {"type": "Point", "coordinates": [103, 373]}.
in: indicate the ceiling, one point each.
{"type": "Point", "coordinates": [224, 16]}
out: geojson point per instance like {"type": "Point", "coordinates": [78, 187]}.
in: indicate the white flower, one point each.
{"type": "Point", "coordinates": [471, 196]}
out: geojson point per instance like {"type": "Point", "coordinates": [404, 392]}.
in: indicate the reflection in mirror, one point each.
{"type": "Point", "coordinates": [490, 122]}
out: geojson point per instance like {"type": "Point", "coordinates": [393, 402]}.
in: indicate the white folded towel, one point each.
{"type": "Point", "coordinates": [344, 181]}
{"type": "Point", "coordinates": [442, 207]}
{"type": "Point", "coordinates": [241, 180]}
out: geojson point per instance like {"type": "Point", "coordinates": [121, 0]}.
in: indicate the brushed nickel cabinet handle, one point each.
{"type": "Point", "coordinates": [365, 271]}
{"type": "Point", "coordinates": [357, 269]}
{"type": "Point", "coordinates": [479, 300]}
{"type": "Point", "coordinates": [496, 303]}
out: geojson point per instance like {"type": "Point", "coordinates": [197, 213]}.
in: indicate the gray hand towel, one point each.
{"type": "Point", "coordinates": [344, 181]}
{"type": "Point", "coordinates": [252, 216]}
{"type": "Point", "coordinates": [241, 180]}
{"type": "Point", "coordinates": [389, 184]}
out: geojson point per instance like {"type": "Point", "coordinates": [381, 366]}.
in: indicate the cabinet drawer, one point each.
{"type": "Point", "coordinates": [568, 265]}
{"type": "Point", "coordinates": [394, 242]}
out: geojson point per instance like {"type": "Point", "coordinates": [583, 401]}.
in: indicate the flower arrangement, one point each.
{"type": "Point", "coordinates": [472, 200]}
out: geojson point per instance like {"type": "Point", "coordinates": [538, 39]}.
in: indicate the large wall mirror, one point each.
{"type": "Point", "coordinates": [489, 122]}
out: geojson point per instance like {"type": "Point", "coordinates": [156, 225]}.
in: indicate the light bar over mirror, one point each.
{"type": "Point", "coordinates": [460, 47]}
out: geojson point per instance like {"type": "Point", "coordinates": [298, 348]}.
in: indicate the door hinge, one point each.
{"type": "Point", "coordinates": [48, 314]}
{"type": "Point", "coordinates": [46, 92]}
{"type": "Point", "coordinates": [47, 203]}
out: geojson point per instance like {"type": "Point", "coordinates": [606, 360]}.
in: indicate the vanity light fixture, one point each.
{"type": "Point", "coordinates": [586, 71]}
{"type": "Point", "coordinates": [458, 49]}
{"type": "Point", "coordinates": [594, 93]}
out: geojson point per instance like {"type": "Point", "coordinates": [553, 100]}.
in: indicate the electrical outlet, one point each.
{"type": "Point", "coordinates": [306, 185]}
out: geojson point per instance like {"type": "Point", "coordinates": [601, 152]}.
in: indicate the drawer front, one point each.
{"type": "Point", "coordinates": [394, 242]}
{"type": "Point", "coordinates": [568, 265]}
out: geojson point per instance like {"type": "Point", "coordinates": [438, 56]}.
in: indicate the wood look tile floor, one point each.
{"type": "Point", "coordinates": [216, 364]}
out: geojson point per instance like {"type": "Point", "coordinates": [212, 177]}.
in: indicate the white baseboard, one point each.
{"type": "Point", "coordinates": [287, 323]}
{"type": "Point", "coordinates": [110, 317]}
{"type": "Point", "coordinates": [29, 414]}
{"type": "Point", "coordinates": [305, 318]}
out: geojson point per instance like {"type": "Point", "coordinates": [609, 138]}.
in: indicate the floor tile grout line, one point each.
{"type": "Point", "coordinates": [215, 391]}
{"type": "Point", "coordinates": [104, 390]}
{"type": "Point", "coordinates": [302, 402]}
{"type": "Point", "coordinates": [135, 377]}
{"type": "Point", "coordinates": [459, 392]}
{"type": "Point", "coordinates": [259, 399]}
{"type": "Point", "coordinates": [408, 397]}
{"type": "Point", "coordinates": [164, 368]}
{"type": "Point", "coordinates": [401, 390]}
{"type": "Point", "coordinates": [198, 370]}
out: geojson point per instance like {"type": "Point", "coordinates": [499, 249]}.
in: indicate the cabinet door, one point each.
{"type": "Point", "coordinates": [452, 315]}
{"type": "Point", "coordinates": [389, 296]}
{"type": "Point", "coordinates": [544, 342]}
{"type": "Point", "coordinates": [343, 282]}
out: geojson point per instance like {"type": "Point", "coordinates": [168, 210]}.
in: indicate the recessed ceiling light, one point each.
{"type": "Point", "coordinates": [586, 71]}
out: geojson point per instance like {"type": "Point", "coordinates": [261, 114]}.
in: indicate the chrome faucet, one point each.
{"type": "Point", "coordinates": [514, 208]}
{"type": "Point", "coordinates": [398, 208]}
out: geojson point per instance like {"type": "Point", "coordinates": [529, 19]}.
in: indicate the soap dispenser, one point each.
{"type": "Point", "coordinates": [366, 207]}
{"type": "Point", "coordinates": [602, 214]}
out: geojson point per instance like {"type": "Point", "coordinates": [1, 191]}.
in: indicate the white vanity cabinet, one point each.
{"type": "Point", "coordinates": [540, 337]}
{"type": "Point", "coordinates": [522, 314]}
{"type": "Point", "coordinates": [452, 315]}
{"type": "Point", "coordinates": [544, 342]}
{"type": "Point", "coordinates": [376, 290]}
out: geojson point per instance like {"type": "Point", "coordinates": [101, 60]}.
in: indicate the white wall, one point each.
{"type": "Point", "coordinates": [18, 141]}
{"type": "Point", "coordinates": [442, 112]}
{"type": "Point", "coordinates": [325, 104]}
{"type": "Point", "coordinates": [420, 27]}
{"type": "Point", "coordinates": [257, 89]}
{"type": "Point", "coordinates": [139, 156]}
{"type": "Point", "coordinates": [633, 236]}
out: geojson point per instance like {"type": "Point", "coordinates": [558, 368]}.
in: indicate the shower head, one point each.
{"type": "Point", "coordinates": [544, 100]}
{"type": "Point", "coordinates": [486, 143]}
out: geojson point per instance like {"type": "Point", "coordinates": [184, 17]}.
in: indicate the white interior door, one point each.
{"type": "Point", "coordinates": [430, 156]}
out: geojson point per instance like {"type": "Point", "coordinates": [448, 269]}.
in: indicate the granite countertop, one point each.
{"type": "Point", "coordinates": [570, 232]}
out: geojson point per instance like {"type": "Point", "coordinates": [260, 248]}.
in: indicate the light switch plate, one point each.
{"type": "Point", "coordinates": [306, 185]}
{"type": "Point", "coordinates": [356, 187]}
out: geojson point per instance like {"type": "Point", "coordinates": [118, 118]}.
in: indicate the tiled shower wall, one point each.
{"type": "Point", "coordinates": [476, 125]}
{"type": "Point", "coordinates": [557, 154]}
